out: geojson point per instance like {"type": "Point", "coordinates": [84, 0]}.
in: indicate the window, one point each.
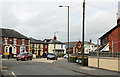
{"type": "Point", "coordinates": [45, 51]}
{"type": "Point", "coordinates": [45, 46]}
{"type": "Point", "coordinates": [32, 45]}
{"type": "Point", "coordinates": [15, 41]}
{"type": "Point", "coordinates": [23, 42]}
{"type": "Point", "coordinates": [22, 49]}
{"type": "Point", "coordinates": [6, 40]}
{"type": "Point", "coordinates": [6, 49]}
{"type": "Point", "coordinates": [39, 45]}
{"type": "Point", "coordinates": [14, 50]}
{"type": "Point", "coordinates": [1, 42]}
{"type": "Point", "coordinates": [62, 46]}
{"type": "Point", "coordinates": [92, 46]}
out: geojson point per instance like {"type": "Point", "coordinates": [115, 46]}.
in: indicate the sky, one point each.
{"type": "Point", "coordinates": [41, 18]}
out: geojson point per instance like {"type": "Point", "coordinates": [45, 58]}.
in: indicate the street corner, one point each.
{"type": "Point", "coordinates": [44, 60]}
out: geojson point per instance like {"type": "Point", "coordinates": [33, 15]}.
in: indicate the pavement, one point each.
{"type": "Point", "coordinates": [63, 63]}
{"type": "Point", "coordinates": [85, 69]}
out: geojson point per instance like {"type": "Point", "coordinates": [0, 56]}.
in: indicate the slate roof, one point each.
{"type": "Point", "coordinates": [10, 33]}
{"type": "Point", "coordinates": [52, 41]}
{"type": "Point", "coordinates": [32, 40]}
{"type": "Point", "coordinates": [110, 31]}
{"type": "Point", "coordinates": [72, 44]}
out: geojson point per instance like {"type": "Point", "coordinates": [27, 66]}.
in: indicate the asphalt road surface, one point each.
{"type": "Point", "coordinates": [19, 68]}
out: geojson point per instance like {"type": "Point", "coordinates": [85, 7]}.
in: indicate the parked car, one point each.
{"type": "Point", "coordinates": [66, 56]}
{"type": "Point", "coordinates": [24, 56]}
{"type": "Point", "coordinates": [52, 56]}
{"type": "Point", "coordinates": [44, 55]}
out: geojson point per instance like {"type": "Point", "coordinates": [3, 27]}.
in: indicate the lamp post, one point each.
{"type": "Point", "coordinates": [68, 30]}
{"type": "Point", "coordinates": [98, 52]}
{"type": "Point", "coordinates": [54, 39]}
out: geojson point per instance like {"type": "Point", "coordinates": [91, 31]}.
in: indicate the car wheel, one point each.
{"type": "Point", "coordinates": [56, 58]}
{"type": "Point", "coordinates": [30, 58]}
{"type": "Point", "coordinates": [26, 59]}
{"type": "Point", "coordinates": [17, 59]}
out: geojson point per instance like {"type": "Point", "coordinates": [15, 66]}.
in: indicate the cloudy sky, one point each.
{"type": "Point", "coordinates": [41, 18]}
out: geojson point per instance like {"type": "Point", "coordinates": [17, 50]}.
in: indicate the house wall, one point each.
{"type": "Point", "coordinates": [51, 47]}
{"type": "Point", "coordinates": [87, 48]}
{"type": "Point", "coordinates": [71, 50]}
{"type": "Point", "coordinates": [45, 49]}
{"type": "Point", "coordinates": [15, 48]}
{"type": "Point", "coordinates": [115, 37]}
{"type": "Point", "coordinates": [36, 48]}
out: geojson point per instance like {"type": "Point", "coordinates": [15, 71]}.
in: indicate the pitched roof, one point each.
{"type": "Point", "coordinates": [52, 41]}
{"type": "Point", "coordinates": [32, 40]}
{"type": "Point", "coordinates": [110, 31]}
{"type": "Point", "coordinates": [72, 44]}
{"type": "Point", "coordinates": [11, 33]}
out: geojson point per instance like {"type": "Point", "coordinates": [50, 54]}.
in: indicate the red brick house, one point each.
{"type": "Point", "coordinates": [75, 46]}
{"type": "Point", "coordinates": [45, 46]}
{"type": "Point", "coordinates": [112, 38]}
{"type": "Point", "coordinates": [13, 42]}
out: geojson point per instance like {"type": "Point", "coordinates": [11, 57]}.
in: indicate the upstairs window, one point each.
{"type": "Point", "coordinates": [15, 41]}
{"type": "Point", "coordinates": [39, 45]}
{"type": "Point", "coordinates": [6, 40]}
{"type": "Point", "coordinates": [32, 45]}
{"type": "Point", "coordinates": [23, 42]}
{"type": "Point", "coordinates": [45, 46]}
{"type": "Point", "coordinates": [62, 46]}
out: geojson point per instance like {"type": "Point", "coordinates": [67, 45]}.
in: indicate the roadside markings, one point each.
{"type": "Point", "coordinates": [3, 70]}
{"type": "Point", "coordinates": [14, 74]}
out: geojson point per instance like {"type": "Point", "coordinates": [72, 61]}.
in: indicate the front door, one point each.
{"type": "Point", "coordinates": [10, 51]}
{"type": "Point", "coordinates": [38, 53]}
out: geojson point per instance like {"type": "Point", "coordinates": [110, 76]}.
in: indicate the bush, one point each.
{"type": "Point", "coordinates": [73, 59]}
{"type": "Point", "coordinates": [60, 54]}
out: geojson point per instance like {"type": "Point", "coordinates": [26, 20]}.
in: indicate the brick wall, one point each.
{"type": "Point", "coordinates": [114, 35]}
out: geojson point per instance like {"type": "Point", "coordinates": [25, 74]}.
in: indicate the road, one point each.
{"type": "Point", "coordinates": [18, 68]}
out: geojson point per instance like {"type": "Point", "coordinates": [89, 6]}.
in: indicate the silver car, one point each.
{"type": "Point", "coordinates": [52, 56]}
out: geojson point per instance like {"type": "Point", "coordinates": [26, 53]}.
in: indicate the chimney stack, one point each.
{"type": "Point", "coordinates": [118, 20]}
{"type": "Point", "coordinates": [90, 41]}
{"type": "Point", "coordinates": [55, 38]}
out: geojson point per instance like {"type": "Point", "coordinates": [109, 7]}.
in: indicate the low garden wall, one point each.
{"type": "Point", "coordinates": [109, 63]}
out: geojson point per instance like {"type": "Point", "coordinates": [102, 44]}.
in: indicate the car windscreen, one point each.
{"type": "Point", "coordinates": [51, 54]}
{"type": "Point", "coordinates": [22, 54]}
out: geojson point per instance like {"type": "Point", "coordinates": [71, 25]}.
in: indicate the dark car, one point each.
{"type": "Point", "coordinates": [52, 56]}
{"type": "Point", "coordinates": [24, 56]}
{"type": "Point", "coordinates": [44, 55]}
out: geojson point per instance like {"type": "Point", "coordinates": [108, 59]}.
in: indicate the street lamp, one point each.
{"type": "Point", "coordinates": [54, 39]}
{"type": "Point", "coordinates": [68, 29]}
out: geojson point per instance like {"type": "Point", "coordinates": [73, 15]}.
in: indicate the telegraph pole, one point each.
{"type": "Point", "coordinates": [83, 33]}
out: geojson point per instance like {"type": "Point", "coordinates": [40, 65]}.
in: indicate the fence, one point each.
{"type": "Point", "coordinates": [105, 54]}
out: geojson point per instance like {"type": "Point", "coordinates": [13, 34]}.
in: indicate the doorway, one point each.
{"type": "Point", "coordinates": [10, 51]}
{"type": "Point", "coordinates": [39, 53]}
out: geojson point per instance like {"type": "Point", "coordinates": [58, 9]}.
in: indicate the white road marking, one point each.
{"type": "Point", "coordinates": [3, 70]}
{"type": "Point", "coordinates": [14, 74]}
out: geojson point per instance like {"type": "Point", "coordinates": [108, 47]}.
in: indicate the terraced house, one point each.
{"type": "Point", "coordinates": [13, 42]}
{"type": "Point", "coordinates": [36, 47]}
{"type": "Point", "coordinates": [55, 46]}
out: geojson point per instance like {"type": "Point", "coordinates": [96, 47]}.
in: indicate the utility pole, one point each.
{"type": "Point", "coordinates": [83, 33]}
{"type": "Point", "coordinates": [112, 48]}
